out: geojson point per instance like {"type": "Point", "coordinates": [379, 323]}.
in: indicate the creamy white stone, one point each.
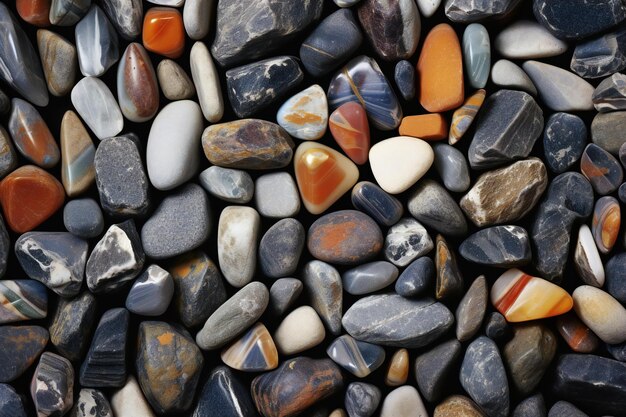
{"type": "Point", "coordinates": [428, 7]}
{"type": "Point", "coordinates": [130, 402]}
{"type": "Point", "coordinates": [197, 17]}
{"type": "Point", "coordinates": [506, 74]}
{"type": "Point", "coordinates": [237, 241]}
{"type": "Point", "coordinates": [403, 402]}
{"type": "Point", "coordinates": [302, 329]}
{"type": "Point", "coordinates": [525, 39]}
{"type": "Point", "coordinates": [602, 313]}
{"type": "Point", "coordinates": [207, 82]}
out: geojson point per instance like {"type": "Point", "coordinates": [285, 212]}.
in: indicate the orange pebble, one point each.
{"type": "Point", "coordinates": [425, 126]}
{"type": "Point", "coordinates": [163, 32]}
{"type": "Point", "coordinates": [35, 12]}
{"type": "Point", "coordinates": [440, 70]}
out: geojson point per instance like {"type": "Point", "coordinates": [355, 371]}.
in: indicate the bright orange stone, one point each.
{"type": "Point", "coordinates": [440, 70]}
{"type": "Point", "coordinates": [163, 32]}
{"type": "Point", "coordinates": [348, 125]}
{"type": "Point", "coordinates": [398, 371]}
{"type": "Point", "coordinates": [35, 12]}
{"type": "Point", "coordinates": [29, 196]}
{"type": "Point", "coordinates": [425, 126]}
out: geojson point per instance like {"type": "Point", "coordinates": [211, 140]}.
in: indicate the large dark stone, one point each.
{"type": "Point", "coordinates": [501, 246]}
{"type": "Point", "coordinates": [21, 346]}
{"type": "Point", "coordinates": [601, 56]}
{"type": "Point", "coordinates": [12, 405]}
{"type": "Point", "coordinates": [223, 395]}
{"type": "Point", "coordinates": [564, 140]}
{"type": "Point", "coordinates": [73, 324]}
{"type": "Point", "coordinates": [434, 368]}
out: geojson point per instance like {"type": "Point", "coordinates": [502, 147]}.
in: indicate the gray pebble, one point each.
{"type": "Point", "coordinates": [232, 185]}
{"type": "Point", "coordinates": [369, 277]}
{"type": "Point", "coordinates": [276, 195]}
{"type": "Point", "coordinates": [416, 278]}
{"type": "Point", "coordinates": [433, 206]}
{"type": "Point", "coordinates": [362, 399]}
{"type": "Point", "coordinates": [434, 367]}
{"type": "Point", "coordinates": [83, 218]}
{"type": "Point", "coordinates": [283, 293]}
{"type": "Point", "coordinates": [281, 247]}
{"type": "Point", "coordinates": [325, 289]}
{"type": "Point", "coordinates": [452, 167]}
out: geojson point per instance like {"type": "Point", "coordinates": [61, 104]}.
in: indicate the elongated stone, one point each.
{"type": "Point", "coordinates": [467, 11]}
{"type": "Point", "coordinates": [464, 116]}
{"type": "Point", "coordinates": [577, 335]}
{"type": "Point", "coordinates": [434, 368]}
{"type": "Point", "coordinates": [31, 135]}
{"type": "Point", "coordinates": [527, 39]}
{"type": "Point", "coordinates": [449, 283]}
{"type": "Point", "coordinates": [404, 76]}
{"type": "Point", "coordinates": [151, 293]}
{"type": "Point", "coordinates": [398, 369]}
{"type": "Point", "coordinates": [362, 399]}
{"type": "Point", "coordinates": [129, 401]}
{"type": "Point", "coordinates": [283, 293]}
{"type": "Point", "coordinates": [305, 115]}
{"type": "Point", "coordinates": [254, 351]}
{"type": "Point", "coordinates": [430, 127]}
{"type": "Point", "coordinates": [52, 386]}
{"type": "Point", "coordinates": [207, 82]}
{"type": "Point", "coordinates": [398, 321]}
{"type": "Point", "coordinates": [137, 88]}
{"type": "Point", "coordinates": [406, 241]}
{"type": "Point", "coordinates": [606, 131]}
{"type": "Point", "coordinates": [610, 94]}
{"type": "Point", "coordinates": [375, 202]}
{"type": "Point", "coordinates": [600, 56]}
{"type": "Point", "coordinates": [237, 237]}
{"type": "Point", "coordinates": [58, 58]}
{"type": "Point", "coordinates": [21, 65]}
{"type": "Point", "coordinates": [324, 285]}
{"type": "Point", "coordinates": [471, 310]}
{"type": "Point", "coordinates": [91, 403]}
{"type": "Point", "coordinates": [602, 169]}
{"type": "Point", "coordinates": [500, 246]}
{"type": "Point", "coordinates": [73, 324]}
{"type": "Point", "coordinates": [432, 206]}
{"type": "Point", "coordinates": [301, 330]}
{"type": "Point", "coordinates": [22, 299]}
{"type": "Point", "coordinates": [615, 273]}
{"type": "Point", "coordinates": [21, 346]}
{"type": "Point", "coordinates": [508, 75]}
{"type": "Point", "coordinates": [198, 18]}
{"type": "Point", "coordinates": [12, 402]}
{"type": "Point", "coordinates": [416, 278]}
{"type": "Point", "coordinates": [564, 140]}
{"type": "Point", "coordinates": [350, 129]}
{"type": "Point", "coordinates": [281, 247]}
{"type": "Point", "coordinates": [125, 15]}
{"type": "Point", "coordinates": [68, 12]}
{"type": "Point", "coordinates": [96, 105]}
{"type": "Point", "coordinates": [477, 54]}
{"type": "Point", "coordinates": [163, 32]}
{"type": "Point", "coordinates": [174, 81]}
{"type": "Point", "coordinates": [77, 155]}
{"type": "Point", "coordinates": [96, 43]}
{"type": "Point", "coordinates": [369, 277]}
{"type": "Point", "coordinates": [602, 313]}
{"type": "Point", "coordinates": [358, 358]}
{"type": "Point", "coordinates": [8, 156]}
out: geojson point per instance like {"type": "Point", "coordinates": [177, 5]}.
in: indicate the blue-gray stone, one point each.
{"type": "Point", "coordinates": [332, 42]}
{"type": "Point", "coordinates": [56, 259]}
{"type": "Point", "coordinates": [452, 167]}
{"type": "Point", "coordinates": [602, 169]}
{"type": "Point", "coordinates": [500, 246]}
{"type": "Point", "coordinates": [471, 310]}
{"type": "Point", "coordinates": [416, 278]}
{"type": "Point", "coordinates": [358, 358]}
{"type": "Point", "coordinates": [325, 289]}
{"type": "Point", "coordinates": [231, 185]}
{"type": "Point", "coordinates": [404, 75]}
{"type": "Point", "coordinates": [83, 218]}
{"type": "Point", "coordinates": [369, 277]}
{"type": "Point", "coordinates": [622, 193]}
{"type": "Point", "coordinates": [433, 206]}
{"type": "Point", "coordinates": [255, 86]}
{"type": "Point", "coordinates": [468, 11]}
{"type": "Point", "coordinates": [564, 140]}
{"type": "Point", "coordinates": [565, 409]}
{"type": "Point", "coordinates": [283, 293]}
{"type": "Point", "coordinates": [607, 131]}
{"type": "Point", "coordinates": [477, 54]}
{"type": "Point", "coordinates": [615, 273]}
{"type": "Point", "coordinates": [617, 351]}
{"type": "Point", "coordinates": [601, 56]}
{"type": "Point", "coordinates": [362, 399]}
{"type": "Point", "coordinates": [578, 19]}
{"type": "Point", "coordinates": [73, 324]}
{"type": "Point", "coordinates": [533, 406]}
{"type": "Point", "coordinates": [125, 15]}
{"type": "Point", "coordinates": [68, 12]}
{"type": "Point", "coordinates": [375, 202]}
{"type": "Point", "coordinates": [223, 395]}
{"type": "Point", "coordinates": [20, 67]}
{"type": "Point", "coordinates": [610, 94]}
{"type": "Point", "coordinates": [622, 155]}
{"type": "Point", "coordinates": [21, 346]}
{"type": "Point", "coordinates": [483, 377]}
{"type": "Point", "coordinates": [12, 405]}
{"type": "Point", "coordinates": [434, 368]}
{"type": "Point", "coordinates": [151, 292]}
{"type": "Point", "coordinates": [96, 43]}
{"type": "Point", "coordinates": [91, 403]}
{"type": "Point", "coordinates": [52, 385]}
{"type": "Point", "coordinates": [281, 247]}
{"type": "Point", "coordinates": [497, 328]}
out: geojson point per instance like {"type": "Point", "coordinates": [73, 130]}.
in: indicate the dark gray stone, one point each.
{"type": "Point", "coordinates": [497, 328]}
{"type": "Point", "coordinates": [416, 278]}
{"type": "Point", "coordinates": [12, 405]}
{"type": "Point", "coordinates": [564, 140]}
{"type": "Point", "coordinates": [8, 157]}
{"type": "Point", "coordinates": [615, 273]}
{"type": "Point", "coordinates": [433, 369]}
{"type": "Point", "coordinates": [433, 206]}
{"type": "Point", "coordinates": [283, 293]}
{"type": "Point", "coordinates": [617, 351]}
{"type": "Point", "coordinates": [73, 325]}
{"type": "Point", "coordinates": [533, 406]}
{"type": "Point", "coordinates": [5, 103]}
{"type": "Point", "coordinates": [5, 246]}
{"type": "Point", "coordinates": [151, 292]}
{"type": "Point", "coordinates": [52, 385]}
{"type": "Point", "coordinates": [83, 218]}
{"type": "Point", "coordinates": [452, 167]}
{"type": "Point", "coordinates": [404, 75]}
{"type": "Point", "coordinates": [449, 280]}
{"type": "Point", "coordinates": [357, 357]}
{"type": "Point", "coordinates": [406, 241]}
{"type": "Point", "coordinates": [621, 192]}
{"type": "Point", "coordinates": [375, 202]}
{"type": "Point", "coordinates": [500, 246]}
{"type": "Point", "coordinates": [21, 346]}
{"type": "Point", "coordinates": [610, 94]}
{"type": "Point", "coordinates": [601, 56]}
{"type": "Point", "coordinates": [602, 169]}
{"type": "Point", "coordinates": [325, 289]}
{"type": "Point", "coordinates": [362, 399]}
{"type": "Point", "coordinates": [608, 131]}
{"type": "Point", "coordinates": [468, 11]}
{"type": "Point", "coordinates": [223, 395]}
{"type": "Point", "coordinates": [565, 409]}
{"type": "Point", "coordinates": [281, 247]}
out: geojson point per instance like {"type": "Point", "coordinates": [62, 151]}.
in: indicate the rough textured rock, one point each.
{"type": "Point", "coordinates": [73, 324]}
{"type": "Point", "coordinates": [600, 56]}
{"type": "Point", "coordinates": [22, 345]}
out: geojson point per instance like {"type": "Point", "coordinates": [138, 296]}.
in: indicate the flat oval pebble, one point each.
{"type": "Point", "coordinates": [281, 247]}
{"type": "Point", "coordinates": [369, 277]}
{"type": "Point", "coordinates": [237, 236]}
{"type": "Point", "coordinates": [252, 352]}
{"type": "Point", "coordinates": [96, 105]}
{"type": "Point", "coordinates": [405, 241]}
{"type": "Point", "coordinates": [526, 39]}
{"type": "Point", "coordinates": [403, 402]}
{"type": "Point", "coordinates": [434, 207]}
{"type": "Point", "coordinates": [602, 313]}
{"type": "Point", "coordinates": [477, 54]}
{"type": "Point", "coordinates": [31, 135]}
{"type": "Point", "coordinates": [231, 185]}
{"type": "Point", "coordinates": [207, 82]}
{"type": "Point", "coordinates": [137, 88]}
{"type": "Point", "coordinates": [602, 169]}
{"type": "Point", "coordinates": [564, 140]}
{"type": "Point", "coordinates": [507, 74]}
{"type": "Point", "coordinates": [500, 246]}
{"type": "Point", "coordinates": [305, 115]}
{"type": "Point", "coordinates": [276, 195]}
{"type": "Point", "coordinates": [375, 202]}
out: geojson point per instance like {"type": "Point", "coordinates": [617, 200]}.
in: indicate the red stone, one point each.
{"type": "Point", "coordinates": [35, 12]}
{"type": "Point", "coordinates": [348, 125]}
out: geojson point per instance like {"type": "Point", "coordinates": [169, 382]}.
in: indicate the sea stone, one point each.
{"type": "Point", "coordinates": [21, 346]}
{"type": "Point", "coordinates": [83, 218]}
{"type": "Point", "coordinates": [301, 330]}
{"type": "Point", "coordinates": [403, 402]}
{"type": "Point", "coordinates": [68, 12]}
{"type": "Point", "coordinates": [616, 277]}
{"type": "Point", "coordinates": [283, 293]}
{"type": "Point", "coordinates": [602, 169]}
{"type": "Point", "coordinates": [305, 115]}
{"type": "Point", "coordinates": [207, 80]}
{"type": "Point", "coordinates": [376, 203]}
{"type": "Point", "coordinates": [96, 105]}
{"type": "Point", "coordinates": [434, 368]}
{"type": "Point", "coordinates": [125, 15]}
{"type": "Point", "coordinates": [404, 76]}
{"type": "Point", "coordinates": [58, 58]}
{"type": "Point", "coordinates": [610, 94]}
{"type": "Point", "coordinates": [607, 131]}
{"type": "Point", "coordinates": [398, 369]}
{"type": "Point", "coordinates": [129, 401]}
{"type": "Point", "coordinates": [449, 282]}
{"type": "Point", "coordinates": [471, 310]}
{"type": "Point", "coordinates": [96, 42]}
{"type": "Point", "coordinates": [452, 167]}
{"type": "Point", "coordinates": [497, 328]}
{"type": "Point", "coordinates": [223, 395]}
{"type": "Point", "coordinates": [369, 277]}
{"type": "Point", "coordinates": [151, 293]}
{"type": "Point", "coordinates": [508, 75]}
{"type": "Point", "coordinates": [577, 335]}
{"type": "Point", "coordinates": [601, 56]}
{"type": "Point", "coordinates": [198, 17]}
{"type": "Point", "coordinates": [500, 246]}
{"type": "Point", "coordinates": [77, 154]}
{"type": "Point", "coordinates": [237, 237]}
{"type": "Point", "coordinates": [254, 351]}
{"type": "Point", "coordinates": [477, 54]}
{"type": "Point", "coordinates": [432, 206]}
{"type": "Point", "coordinates": [91, 403]}
{"type": "Point", "coordinates": [406, 241]}
{"type": "Point", "coordinates": [564, 140]}
{"type": "Point", "coordinates": [416, 278]}
{"type": "Point", "coordinates": [606, 223]}
{"type": "Point", "coordinates": [602, 313]}
{"type": "Point", "coordinates": [52, 385]}
{"type": "Point", "coordinates": [467, 11]}
{"type": "Point", "coordinates": [362, 399]}
{"type": "Point", "coordinates": [324, 285]}
{"type": "Point", "coordinates": [276, 195]}
{"type": "Point", "coordinates": [163, 32]}
{"type": "Point", "coordinates": [72, 325]}
{"type": "Point", "coordinates": [526, 39]}
{"type": "Point", "coordinates": [22, 299]}
{"type": "Point", "coordinates": [137, 88]}
{"type": "Point", "coordinates": [174, 81]}
{"type": "Point", "coordinates": [349, 127]}
{"type": "Point", "coordinates": [281, 247]}
{"type": "Point", "coordinates": [563, 408]}
{"type": "Point", "coordinates": [231, 185]}
{"type": "Point", "coordinates": [12, 403]}
{"type": "Point", "coordinates": [458, 406]}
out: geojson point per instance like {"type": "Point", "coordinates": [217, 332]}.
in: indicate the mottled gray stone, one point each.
{"type": "Point", "coordinates": [96, 43]}
{"type": "Point", "coordinates": [608, 131]}
{"type": "Point", "coordinates": [452, 167]}
{"type": "Point", "coordinates": [125, 15]}
{"type": "Point", "coordinates": [276, 195]}
{"type": "Point", "coordinates": [369, 277]}
{"type": "Point", "coordinates": [564, 140]}
{"type": "Point", "coordinates": [283, 293]}
{"type": "Point", "coordinates": [281, 247]}
{"type": "Point", "coordinates": [21, 346]}
{"type": "Point", "coordinates": [610, 94]}
{"type": "Point", "coordinates": [565, 409]}
{"type": "Point", "coordinates": [507, 74]}
{"type": "Point", "coordinates": [434, 368]}
{"type": "Point", "coordinates": [12, 405]}
{"type": "Point", "coordinates": [237, 239]}
{"type": "Point", "coordinates": [406, 241]}
{"type": "Point", "coordinates": [416, 278]}
{"type": "Point", "coordinates": [533, 406]}
{"type": "Point", "coordinates": [497, 328]}
{"type": "Point", "coordinates": [362, 399]}
{"type": "Point", "coordinates": [467, 11]}
{"type": "Point", "coordinates": [83, 218]}
{"type": "Point", "coordinates": [73, 324]}
{"type": "Point", "coordinates": [151, 292]}
{"type": "Point", "coordinates": [471, 310]}
{"type": "Point", "coordinates": [231, 185]}
{"type": "Point", "coordinates": [433, 206]}
{"type": "Point", "coordinates": [501, 246]}
{"type": "Point", "coordinates": [601, 56]}
{"type": "Point", "coordinates": [91, 403]}
{"type": "Point", "coordinates": [323, 284]}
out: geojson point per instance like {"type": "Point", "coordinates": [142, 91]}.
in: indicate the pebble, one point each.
{"type": "Point", "coordinates": [428, 8]}
{"type": "Point", "coordinates": [52, 386]}
{"type": "Point", "coordinates": [346, 3]}
{"type": "Point", "coordinates": [576, 334]}
{"type": "Point", "coordinates": [68, 12]}
{"type": "Point", "coordinates": [283, 294]}
{"type": "Point", "coordinates": [174, 81]}
{"type": "Point", "coordinates": [242, 26]}
{"type": "Point", "coordinates": [234, 316]}
{"type": "Point", "coordinates": [137, 88]}
{"type": "Point", "coordinates": [430, 127]}
{"type": "Point", "coordinates": [484, 378]}
{"type": "Point", "coordinates": [125, 15]}
{"type": "Point", "coordinates": [350, 129]}
{"type": "Point", "coordinates": [198, 18]}
{"type": "Point", "coordinates": [91, 403]}
{"type": "Point", "coordinates": [615, 277]}
{"type": "Point", "coordinates": [602, 313]}
{"type": "Point", "coordinates": [168, 366]}
{"type": "Point", "coordinates": [254, 351]}
{"type": "Point", "coordinates": [121, 178]}
{"type": "Point", "coordinates": [405, 241]}
{"type": "Point", "coordinates": [230, 185]}
{"type": "Point", "coordinates": [602, 169]}
{"type": "Point", "coordinates": [198, 287]}
{"type": "Point", "coordinates": [398, 369]}
{"type": "Point", "coordinates": [151, 293]}
{"type": "Point", "coordinates": [323, 175]}
{"type": "Point", "coordinates": [31, 135]}
{"type": "Point", "coordinates": [526, 39]}
{"type": "Point", "coordinates": [533, 406]}
{"type": "Point", "coordinates": [622, 193]}
{"type": "Point", "coordinates": [434, 207]}
{"type": "Point", "coordinates": [129, 401]}
{"type": "Point", "coordinates": [528, 355]}
{"type": "Point", "coordinates": [587, 258]}
{"type": "Point", "coordinates": [449, 283]}
{"type": "Point", "coordinates": [223, 394]}
{"type": "Point", "coordinates": [8, 156]}
{"type": "Point", "coordinates": [559, 89]}
{"type": "Point", "coordinates": [601, 56]}
{"type": "Point", "coordinates": [509, 75]}
{"type": "Point", "coordinates": [325, 289]}
{"type": "Point", "coordinates": [467, 11]}
{"type": "Point", "coordinates": [12, 403]}
{"type": "Point", "coordinates": [458, 406]}
{"type": "Point", "coordinates": [464, 116]}
{"type": "Point", "coordinates": [606, 131]}
{"type": "Point", "coordinates": [96, 43]}
{"type": "Point", "coordinates": [58, 59]}
{"type": "Point", "coordinates": [416, 278]}
{"type": "Point", "coordinates": [72, 325]}
{"type": "Point", "coordinates": [403, 402]}
{"type": "Point", "coordinates": [295, 386]}
{"type": "Point", "coordinates": [361, 80]}
{"type": "Point", "coordinates": [563, 408]}
{"type": "Point", "coordinates": [362, 399]}
{"type": "Point", "coordinates": [497, 328]}
{"type": "Point", "coordinates": [305, 115]}
{"type": "Point", "coordinates": [471, 310]}
{"type": "Point", "coordinates": [237, 236]}
{"type": "Point", "coordinates": [398, 20]}
{"type": "Point", "coordinates": [105, 364]}
{"type": "Point", "coordinates": [21, 346]}
{"type": "Point", "coordinates": [22, 66]}
{"type": "Point", "coordinates": [507, 194]}
{"type": "Point", "coordinates": [610, 94]}
{"type": "Point", "coordinates": [300, 330]}
{"type": "Point", "coordinates": [375, 202]}
{"type": "Point", "coordinates": [564, 140]}
{"type": "Point", "coordinates": [35, 12]}
{"type": "Point", "coordinates": [83, 218]}
{"type": "Point", "coordinates": [441, 86]}
{"type": "Point", "coordinates": [281, 247]}
{"type": "Point", "coordinates": [22, 299]}
{"type": "Point", "coordinates": [228, 145]}
{"type": "Point", "coordinates": [77, 155]}
{"type": "Point", "coordinates": [56, 259]}
{"type": "Point", "coordinates": [522, 297]}
{"type": "Point", "coordinates": [391, 320]}
{"type": "Point", "coordinates": [116, 259]}
{"type": "Point", "coordinates": [5, 103]}
{"type": "Point", "coordinates": [369, 277]}
{"type": "Point", "coordinates": [358, 358]}
{"type": "Point", "coordinates": [452, 167]}
{"type": "Point", "coordinates": [21, 211]}
{"type": "Point", "coordinates": [163, 32]}
{"type": "Point", "coordinates": [499, 246]}
{"type": "Point", "coordinates": [477, 54]}
{"type": "Point", "coordinates": [399, 162]}
{"type": "Point", "coordinates": [434, 368]}
{"type": "Point", "coordinates": [276, 195]}
{"type": "Point", "coordinates": [96, 105]}
{"type": "Point", "coordinates": [606, 223]}
{"type": "Point", "coordinates": [404, 76]}
{"type": "Point", "coordinates": [207, 82]}
{"type": "Point", "coordinates": [510, 123]}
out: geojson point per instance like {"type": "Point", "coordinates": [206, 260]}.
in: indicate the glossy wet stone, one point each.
{"type": "Point", "coordinates": [300, 330]}
{"type": "Point", "coordinates": [404, 76]}
{"type": "Point", "coordinates": [606, 223]}
{"type": "Point", "coordinates": [91, 403]}
{"type": "Point", "coordinates": [34, 12]}
{"type": "Point", "coordinates": [602, 169]}
{"type": "Point", "coordinates": [362, 399]}
{"type": "Point", "coordinates": [602, 313]}
{"type": "Point", "coordinates": [72, 325]}
{"type": "Point", "coordinates": [359, 358]}
{"type": "Point", "coordinates": [125, 15]}
{"type": "Point", "coordinates": [564, 140]}
{"type": "Point", "coordinates": [29, 196]}
{"type": "Point", "coordinates": [375, 202]}
{"type": "Point", "coordinates": [254, 351]}
{"type": "Point", "coordinates": [449, 282]}
{"type": "Point", "coordinates": [405, 402]}
{"type": "Point", "coordinates": [83, 218]}
{"type": "Point", "coordinates": [522, 297]}
{"type": "Point", "coordinates": [464, 116]}
{"type": "Point", "coordinates": [276, 195]}
{"type": "Point", "coordinates": [361, 80]}
{"type": "Point", "coordinates": [440, 77]}
{"type": "Point", "coordinates": [22, 299]}
{"type": "Point", "coordinates": [237, 239]}
{"type": "Point", "coordinates": [231, 185]}
{"type": "Point", "coordinates": [392, 320]}
{"type": "Point", "coordinates": [431, 127]}
{"type": "Point", "coordinates": [56, 259]}
{"type": "Point", "coordinates": [12, 403]}
{"type": "Point", "coordinates": [508, 75]}
{"type": "Point", "coordinates": [207, 82]}
{"type": "Point", "coordinates": [174, 81]}
{"type": "Point", "coordinates": [324, 286]}
{"type": "Point", "coordinates": [369, 277]}
{"type": "Point", "coordinates": [31, 135]}
{"type": "Point", "coordinates": [452, 167]}
{"type": "Point", "coordinates": [96, 43]}
{"type": "Point", "coordinates": [615, 273]}
{"type": "Point", "coordinates": [8, 156]}
{"type": "Point", "coordinates": [21, 346]}
{"type": "Point", "coordinates": [345, 237]}
{"type": "Point", "coordinates": [228, 145]}
{"type": "Point", "coordinates": [137, 88]}
{"type": "Point", "coordinates": [305, 115]}
{"type": "Point", "coordinates": [58, 58]}
{"type": "Point", "coordinates": [533, 406]}
{"type": "Point", "coordinates": [163, 32]}
{"type": "Point", "coordinates": [151, 293]}
{"type": "Point", "coordinates": [22, 66]}
{"type": "Point", "coordinates": [77, 155]}
{"type": "Point", "coordinates": [280, 248]}
{"type": "Point", "coordinates": [267, 23]}
{"type": "Point", "coordinates": [52, 385]}
{"type": "Point", "coordinates": [296, 385]}
{"type": "Point", "coordinates": [500, 246]}
{"type": "Point", "coordinates": [350, 129]}
{"type": "Point", "coordinates": [199, 287]}
{"type": "Point", "coordinates": [576, 334]}
{"type": "Point", "coordinates": [510, 123]}
{"type": "Point", "coordinates": [198, 18]}
{"type": "Point", "coordinates": [416, 278]}
{"type": "Point", "coordinates": [601, 56]}
{"type": "Point", "coordinates": [527, 39]}
{"type": "Point", "coordinates": [477, 54]}
{"type": "Point", "coordinates": [406, 241]}
{"type": "Point", "coordinates": [255, 86]}
{"type": "Point", "coordinates": [471, 310]}
{"type": "Point", "coordinates": [96, 105]}
{"type": "Point", "coordinates": [507, 194]}
{"type": "Point", "coordinates": [283, 294]}
{"type": "Point", "coordinates": [223, 394]}
{"type": "Point", "coordinates": [435, 367]}
{"type": "Point", "coordinates": [398, 369]}
{"type": "Point", "coordinates": [168, 366]}
{"type": "Point", "coordinates": [606, 131]}
{"type": "Point", "coordinates": [121, 178]}
{"type": "Point", "coordinates": [68, 12]}
{"type": "Point", "coordinates": [458, 406]}
{"type": "Point", "coordinates": [610, 94]}
{"type": "Point", "coordinates": [435, 208]}
{"type": "Point", "coordinates": [105, 363]}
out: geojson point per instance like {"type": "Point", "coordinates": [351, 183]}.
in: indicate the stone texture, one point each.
{"type": "Point", "coordinates": [526, 39]}
{"type": "Point", "coordinates": [362, 399]}
{"type": "Point", "coordinates": [305, 115]}
{"type": "Point", "coordinates": [435, 367]}
{"type": "Point", "coordinates": [324, 286]}
{"type": "Point", "coordinates": [83, 218]}
{"type": "Point", "coordinates": [376, 203]}
{"type": "Point", "coordinates": [129, 401]}
{"type": "Point", "coordinates": [230, 185]}
{"type": "Point", "coordinates": [137, 88]}
{"type": "Point", "coordinates": [449, 282]}
{"type": "Point", "coordinates": [125, 15]}
{"type": "Point", "coordinates": [77, 155]}
{"type": "Point", "coordinates": [471, 310]}
{"type": "Point", "coordinates": [564, 140]}
{"type": "Point", "coordinates": [224, 395]}
{"type": "Point", "coordinates": [563, 408]}
{"type": "Point", "coordinates": [358, 358]}
{"type": "Point", "coordinates": [434, 207]}
{"type": "Point", "coordinates": [416, 278]}
{"type": "Point", "coordinates": [601, 56]}
{"type": "Point", "coordinates": [52, 385]}
{"type": "Point", "coordinates": [68, 12]}
{"type": "Point", "coordinates": [404, 76]}
{"type": "Point", "coordinates": [477, 54]}
{"type": "Point", "coordinates": [452, 167]}
{"type": "Point", "coordinates": [398, 368]}
{"type": "Point", "coordinates": [36, 12]}
{"type": "Point", "coordinates": [615, 273]}
{"type": "Point", "coordinates": [8, 156]}
{"type": "Point", "coordinates": [58, 59]}
{"type": "Point", "coordinates": [283, 294]}
{"type": "Point", "coordinates": [12, 403]}
{"type": "Point", "coordinates": [497, 328]}
{"type": "Point", "coordinates": [406, 241]}
{"type": "Point", "coordinates": [606, 223]}
{"type": "Point", "coordinates": [72, 325]}
{"type": "Point", "coordinates": [91, 403]}
{"type": "Point", "coordinates": [458, 406]}
{"type": "Point", "coordinates": [610, 94]}
{"type": "Point", "coordinates": [96, 105]}
{"type": "Point", "coordinates": [151, 293]}
{"type": "Point", "coordinates": [602, 169]}
{"type": "Point", "coordinates": [96, 41]}
{"type": "Point", "coordinates": [276, 195]}
{"type": "Point", "coordinates": [369, 277]}
{"type": "Point", "coordinates": [350, 129]}
{"type": "Point", "coordinates": [464, 116]}
{"type": "Point", "coordinates": [602, 313]}
{"type": "Point", "coordinates": [174, 81]}
{"type": "Point", "coordinates": [281, 247]}
{"type": "Point", "coordinates": [576, 334]}
{"type": "Point", "coordinates": [163, 32]}
{"type": "Point", "coordinates": [207, 81]}
{"type": "Point", "coordinates": [533, 406]}
{"type": "Point", "coordinates": [237, 239]}
{"type": "Point", "coordinates": [467, 11]}
{"type": "Point", "coordinates": [22, 299]}
{"type": "Point", "coordinates": [607, 131]}
{"type": "Point", "coordinates": [21, 346]}
{"type": "Point", "coordinates": [499, 246]}
{"type": "Point", "coordinates": [430, 127]}
{"type": "Point", "coordinates": [254, 351]}
{"type": "Point", "coordinates": [506, 74]}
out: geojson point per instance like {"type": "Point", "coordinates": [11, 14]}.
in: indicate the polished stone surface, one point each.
{"type": "Point", "coordinates": [449, 279]}
{"type": "Point", "coordinates": [238, 231]}
{"type": "Point", "coordinates": [464, 116]}
{"type": "Point", "coordinates": [254, 351]}
{"type": "Point", "coordinates": [526, 39]}
{"type": "Point", "coordinates": [22, 299]}
{"type": "Point", "coordinates": [281, 247]}
{"type": "Point", "coordinates": [323, 284]}
{"type": "Point", "coordinates": [68, 12]}
{"type": "Point", "coordinates": [435, 367]}
{"type": "Point", "coordinates": [500, 246]}
{"type": "Point", "coordinates": [96, 43]}
{"type": "Point", "coordinates": [77, 156]}
{"type": "Point", "coordinates": [223, 394]}
{"type": "Point", "coordinates": [369, 277]}
{"type": "Point", "coordinates": [358, 358]}
{"type": "Point", "coordinates": [299, 331]}
{"type": "Point", "coordinates": [602, 169]}
{"type": "Point", "coordinates": [506, 74]}
{"type": "Point", "coordinates": [350, 129]}
{"type": "Point", "coordinates": [305, 115]}
{"type": "Point", "coordinates": [96, 105]}
{"type": "Point", "coordinates": [137, 88]}
{"type": "Point", "coordinates": [416, 278]}
{"type": "Point", "coordinates": [606, 223]}
{"type": "Point", "coordinates": [151, 292]}
{"type": "Point", "coordinates": [564, 140]}
{"type": "Point", "coordinates": [31, 135]}
{"type": "Point", "coordinates": [602, 313]}
{"type": "Point", "coordinates": [477, 54]}
{"type": "Point", "coordinates": [436, 209]}
{"type": "Point", "coordinates": [601, 56]}
{"type": "Point", "coordinates": [587, 259]}
{"type": "Point", "coordinates": [163, 32]}
{"type": "Point", "coordinates": [230, 185]}
{"type": "Point", "coordinates": [404, 76]}
{"type": "Point", "coordinates": [376, 203]}
{"type": "Point", "coordinates": [207, 82]}
{"type": "Point", "coordinates": [13, 405]}
{"type": "Point", "coordinates": [610, 94]}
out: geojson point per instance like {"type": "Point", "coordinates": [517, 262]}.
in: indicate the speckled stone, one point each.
{"type": "Point", "coordinates": [72, 325]}
{"type": "Point", "coordinates": [362, 399]}
{"type": "Point", "coordinates": [602, 169]}
{"type": "Point", "coordinates": [406, 241]}
{"type": "Point", "coordinates": [533, 406]}
{"type": "Point", "coordinates": [471, 310]}
{"type": "Point", "coordinates": [610, 94]}
{"type": "Point", "coordinates": [174, 81]}
{"type": "Point", "coordinates": [151, 292]}
{"type": "Point", "coordinates": [276, 195]}
{"type": "Point", "coordinates": [416, 278]}
{"type": "Point", "coordinates": [237, 239]}
{"type": "Point", "coordinates": [223, 395]}
{"type": "Point", "coordinates": [324, 286]}
{"type": "Point", "coordinates": [52, 385]}
{"type": "Point", "coordinates": [369, 277]}
{"type": "Point", "coordinates": [375, 202]}
{"type": "Point", "coordinates": [283, 294]}
{"type": "Point", "coordinates": [500, 246]}
{"type": "Point", "coordinates": [564, 140]}
{"type": "Point", "coordinates": [404, 76]}
{"type": "Point", "coordinates": [607, 131]}
{"type": "Point", "coordinates": [230, 185]}
{"type": "Point", "coordinates": [452, 167]}
{"type": "Point", "coordinates": [91, 403]}
{"type": "Point", "coordinates": [497, 328]}
{"type": "Point", "coordinates": [21, 346]}
{"type": "Point", "coordinates": [458, 406]}
{"type": "Point", "coordinates": [83, 218]}
{"type": "Point", "coordinates": [601, 56]}
{"type": "Point", "coordinates": [12, 403]}
{"type": "Point", "coordinates": [97, 43]}
{"type": "Point", "coordinates": [58, 58]}
{"type": "Point", "coordinates": [435, 208]}
{"type": "Point", "coordinates": [435, 367]}
{"type": "Point", "coordinates": [281, 247]}
{"type": "Point", "coordinates": [467, 11]}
